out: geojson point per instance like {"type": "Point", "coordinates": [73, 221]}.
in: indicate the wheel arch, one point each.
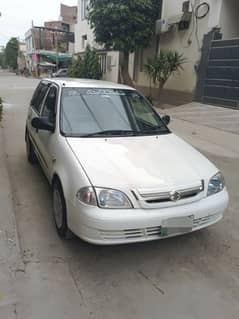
{"type": "Point", "coordinates": [56, 178]}
{"type": "Point", "coordinates": [26, 132]}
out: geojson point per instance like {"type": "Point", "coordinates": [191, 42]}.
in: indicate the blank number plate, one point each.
{"type": "Point", "coordinates": [176, 226]}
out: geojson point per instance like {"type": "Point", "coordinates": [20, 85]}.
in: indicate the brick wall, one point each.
{"type": "Point", "coordinates": [69, 14]}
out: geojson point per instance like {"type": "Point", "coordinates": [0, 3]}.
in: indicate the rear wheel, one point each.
{"type": "Point", "coordinates": [31, 156]}
{"type": "Point", "coordinates": [59, 211]}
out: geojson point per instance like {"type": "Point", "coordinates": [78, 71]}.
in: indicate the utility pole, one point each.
{"type": "Point", "coordinates": [34, 64]}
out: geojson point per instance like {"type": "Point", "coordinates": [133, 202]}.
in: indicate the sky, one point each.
{"type": "Point", "coordinates": [17, 15]}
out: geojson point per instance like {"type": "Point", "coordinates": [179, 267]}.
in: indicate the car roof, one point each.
{"type": "Point", "coordinates": [87, 83]}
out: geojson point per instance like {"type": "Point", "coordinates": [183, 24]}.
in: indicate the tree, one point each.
{"type": "Point", "coordinates": [161, 67]}
{"type": "Point", "coordinates": [123, 25]}
{"type": "Point", "coordinates": [11, 53]}
{"type": "Point", "coordinates": [87, 66]}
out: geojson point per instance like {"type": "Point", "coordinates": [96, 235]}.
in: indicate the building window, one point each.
{"type": "Point", "coordinates": [83, 41]}
{"type": "Point", "coordinates": [84, 9]}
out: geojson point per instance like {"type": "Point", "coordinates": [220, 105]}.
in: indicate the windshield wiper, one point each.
{"type": "Point", "coordinates": [156, 130]}
{"type": "Point", "coordinates": [112, 132]}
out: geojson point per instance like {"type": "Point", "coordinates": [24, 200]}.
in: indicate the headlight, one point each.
{"type": "Point", "coordinates": [110, 198]}
{"type": "Point", "coordinates": [216, 184]}
{"type": "Point", "coordinates": [106, 198]}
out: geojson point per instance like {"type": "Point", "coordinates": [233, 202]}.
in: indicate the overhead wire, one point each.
{"type": "Point", "coordinates": [195, 17]}
{"type": "Point", "coordinates": [189, 40]}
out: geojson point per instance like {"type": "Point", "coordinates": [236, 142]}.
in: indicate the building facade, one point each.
{"type": "Point", "coordinates": [221, 14]}
{"type": "Point", "coordinates": [67, 22]}
{"type": "Point", "coordinates": [185, 24]}
{"type": "Point", "coordinates": [84, 35]}
{"type": "Point", "coordinates": [21, 58]}
{"type": "Point", "coordinates": [51, 46]}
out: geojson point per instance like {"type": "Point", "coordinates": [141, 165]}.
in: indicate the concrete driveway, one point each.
{"type": "Point", "coordinates": [224, 119]}
{"type": "Point", "coordinates": [188, 277]}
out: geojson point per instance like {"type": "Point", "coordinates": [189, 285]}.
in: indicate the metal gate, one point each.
{"type": "Point", "coordinates": [218, 80]}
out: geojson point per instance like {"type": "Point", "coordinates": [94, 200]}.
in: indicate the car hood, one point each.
{"type": "Point", "coordinates": [152, 162]}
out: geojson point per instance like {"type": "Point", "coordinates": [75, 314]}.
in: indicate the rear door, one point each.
{"type": "Point", "coordinates": [35, 111]}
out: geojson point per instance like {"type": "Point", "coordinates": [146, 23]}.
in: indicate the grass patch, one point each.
{"type": "Point", "coordinates": [1, 108]}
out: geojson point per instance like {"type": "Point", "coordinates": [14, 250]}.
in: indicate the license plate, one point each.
{"type": "Point", "coordinates": [176, 226]}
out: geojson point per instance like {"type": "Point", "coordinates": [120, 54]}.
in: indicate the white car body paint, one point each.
{"type": "Point", "coordinates": [136, 165]}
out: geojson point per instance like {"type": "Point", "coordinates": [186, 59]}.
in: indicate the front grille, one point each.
{"type": "Point", "coordinates": [149, 232]}
{"type": "Point", "coordinates": [152, 198]}
{"type": "Point", "coordinates": [205, 220]}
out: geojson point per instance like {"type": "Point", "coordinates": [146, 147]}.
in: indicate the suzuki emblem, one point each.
{"type": "Point", "coordinates": [175, 196]}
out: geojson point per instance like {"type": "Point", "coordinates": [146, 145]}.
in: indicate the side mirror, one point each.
{"type": "Point", "coordinates": [42, 123]}
{"type": "Point", "coordinates": [166, 119]}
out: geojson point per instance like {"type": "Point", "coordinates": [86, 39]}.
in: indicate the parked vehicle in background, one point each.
{"type": "Point", "coordinates": [61, 73]}
{"type": "Point", "coordinates": [118, 174]}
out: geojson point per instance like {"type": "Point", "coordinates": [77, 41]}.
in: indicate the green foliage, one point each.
{"type": "Point", "coordinates": [11, 53]}
{"type": "Point", "coordinates": [161, 67]}
{"type": "Point", "coordinates": [86, 66]}
{"type": "Point", "coordinates": [1, 108]}
{"type": "Point", "coordinates": [122, 24]}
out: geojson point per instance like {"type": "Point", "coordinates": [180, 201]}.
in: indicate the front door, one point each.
{"type": "Point", "coordinates": [46, 139]}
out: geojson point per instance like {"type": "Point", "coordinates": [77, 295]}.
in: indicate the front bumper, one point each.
{"type": "Point", "coordinates": [107, 227]}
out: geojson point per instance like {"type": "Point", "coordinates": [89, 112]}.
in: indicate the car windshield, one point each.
{"type": "Point", "coordinates": [87, 112]}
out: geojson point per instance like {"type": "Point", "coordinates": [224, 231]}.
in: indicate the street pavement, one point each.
{"type": "Point", "coordinates": [189, 277]}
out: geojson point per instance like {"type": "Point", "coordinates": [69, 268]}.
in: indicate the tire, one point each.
{"type": "Point", "coordinates": [31, 156]}
{"type": "Point", "coordinates": [60, 212]}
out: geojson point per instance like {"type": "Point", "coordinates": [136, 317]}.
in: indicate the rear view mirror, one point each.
{"type": "Point", "coordinates": [42, 123]}
{"type": "Point", "coordinates": [166, 119]}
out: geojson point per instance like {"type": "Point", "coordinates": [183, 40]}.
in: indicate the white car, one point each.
{"type": "Point", "coordinates": [118, 174]}
{"type": "Point", "coordinates": [61, 73]}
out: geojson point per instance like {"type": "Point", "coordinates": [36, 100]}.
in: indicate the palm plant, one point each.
{"type": "Point", "coordinates": [161, 67]}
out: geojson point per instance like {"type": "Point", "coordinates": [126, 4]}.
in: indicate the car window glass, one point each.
{"type": "Point", "coordinates": [142, 111]}
{"type": "Point", "coordinates": [87, 111]}
{"type": "Point", "coordinates": [36, 93]}
{"type": "Point", "coordinates": [90, 113]}
{"type": "Point", "coordinates": [38, 96]}
{"type": "Point", "coordinates": [49, 107]}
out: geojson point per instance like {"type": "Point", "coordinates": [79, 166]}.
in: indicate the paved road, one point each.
{"type": "Point", "coordinates": [189, 277]}
{"type": "Point", "coordinates": [208, 115]}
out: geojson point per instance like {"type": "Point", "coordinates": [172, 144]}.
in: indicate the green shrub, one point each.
{"type": "Point", "coordinates": [86, 66]}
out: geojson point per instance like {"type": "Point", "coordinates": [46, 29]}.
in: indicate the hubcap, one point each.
{"type": "Point", "coordinates": [57, 208]}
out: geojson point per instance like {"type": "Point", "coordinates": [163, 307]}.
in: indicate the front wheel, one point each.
{"type": "Point", "coordinates": [59, 211]}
